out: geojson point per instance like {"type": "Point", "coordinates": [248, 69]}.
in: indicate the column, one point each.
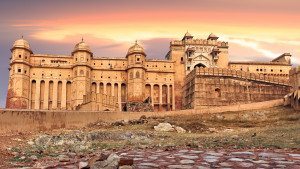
{"type": "Point", "coordinates": [46, 97]}
{"type": "Point", "coordinates": [168, 96]}
{"type": "Point", "coordinates": [54, 100]}
{"type": "Point", "coordinates": [30, 99]}
{"type": "Point", "coordinates": [104, 88]}
{"type": "Point", "coordinates": [152, 95]}
{"type": "Point", "coordinates": [173, 97]}
{"type": "Point", "coordinates": [160, 96]}
{"type": "Point", "coordinates": [64, 95]}
{"type": "Point", "coordinates": [112, 92]}
{"type": "Point", "coordinates": [98, 88]}
{"type": "Point", "coordinates": [119, 96]}
{"type": "Point", "coordinates": [37, 94]}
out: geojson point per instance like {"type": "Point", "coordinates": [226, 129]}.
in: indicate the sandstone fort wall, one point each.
{"type": "Point", "coordinates": [35, 120]}
{"type": "Point", "coordinates": [207, 87]}
{"type": "Point", "coordinates": [295, 82]}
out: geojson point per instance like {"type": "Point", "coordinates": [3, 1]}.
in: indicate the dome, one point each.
{"type": "Point", "coordinates": [213, 37]}
{"type": "Point", "coordinates": [136, 48]}
{"type": "Point", "coordinates": [21, 43]}
{"type": "Point", "coordinates": [187, 34]}
{"type": "Point", "coordinates": [82, 46]}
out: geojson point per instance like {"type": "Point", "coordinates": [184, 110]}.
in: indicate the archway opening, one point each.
{"type": "Point", "coordinates": [200, 65]}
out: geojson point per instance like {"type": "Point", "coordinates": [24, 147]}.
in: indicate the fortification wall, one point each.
{"type": "Point", "coordinates": [295, 82]}
{"type": "Point", "coordinates": [207, 87]}
{"type": "Point", "coordinates": [36, 120]}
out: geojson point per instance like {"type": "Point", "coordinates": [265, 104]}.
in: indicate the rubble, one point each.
{"type": "Point", "coordinates": [145, 106]}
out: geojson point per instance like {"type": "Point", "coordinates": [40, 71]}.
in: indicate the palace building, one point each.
{"type": "Point", "coordinates": [82, 81]}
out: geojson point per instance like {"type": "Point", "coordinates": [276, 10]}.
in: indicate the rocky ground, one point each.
{"type": "Point", "coordinates": [267, 138]}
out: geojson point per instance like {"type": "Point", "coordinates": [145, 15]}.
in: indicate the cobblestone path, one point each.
{"type": "Point", "coordinates": [189, 159]}
{"type": "Point", "coordinates": [197, 159]}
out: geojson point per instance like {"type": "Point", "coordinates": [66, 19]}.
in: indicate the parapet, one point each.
{"type": "Point", "coordinates": [203, 42]}
{"type": "Point", "coordinates": [237, 74]}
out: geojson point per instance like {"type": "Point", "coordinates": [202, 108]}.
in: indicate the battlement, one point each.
{"type": "Point", "coordinates": [237, 74]}
{"type": "Point", "coordinates": [202, 42]}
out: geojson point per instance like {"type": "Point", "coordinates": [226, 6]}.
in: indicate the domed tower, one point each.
{"type": "Point", "coordinates": [19, 79]}
{"type": "Point", "coordinates": [136, 58]}
{"type": "Point", "coordinates": [81, 86]}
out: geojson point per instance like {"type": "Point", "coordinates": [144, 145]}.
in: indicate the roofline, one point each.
{"type": "Point", "coordinates": [284, 54]}
{"type": "Point", "coordinates": [260, 63]}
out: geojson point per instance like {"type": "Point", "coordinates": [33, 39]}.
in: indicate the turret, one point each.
{"type": "Point", "coordinates": [219, 52]}
{"type": "Point", "coordinates": [19, 81]}
{"type": "Point", "coordinates": [81, 87]}
{"type": "Point", "coordinates": [212, 37]}
{"type": "Point", "coordinates": [187, 36]}
{"type": "Point", "coordinates": [82, 53]}
{"type": "Point", "coordinates": [136, 58]}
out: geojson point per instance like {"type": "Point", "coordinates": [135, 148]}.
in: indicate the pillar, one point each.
{"type": "Point", "coordinates": [54, 100]}
{"type": "Point", "coordinates": [168, 97]}
{"type": "Point", "coordinates": [173, 97]}
{"type": "Point", "coordinates": [104, 88]}
{"type": "Point", "coordinates": [64, 95]}
{"type": "Point", "coordinates": [37, 94]}
{"type": "Point", "coordinates": [119, 96]}
{"type": "Point", "coordinates": [160, 97]}
{"type": "Point", "coordinates": [98, 88]}
{"type": "Point", "coordinates": [152, 95]}
{"type": "Point", "coordinates": [46, 97]}
{"type": "Point", "coordinates": [112, 92]}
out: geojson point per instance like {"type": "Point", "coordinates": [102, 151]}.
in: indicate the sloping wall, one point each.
{"type": "Point", "coordinates": [31, 120]}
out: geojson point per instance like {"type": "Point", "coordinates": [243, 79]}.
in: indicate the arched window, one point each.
{"type": "Point", "coordinates": [218, 92]}
{"type": "Point", "coordinates": [131, 75]}
{"type": "Point", "coordinates": [137, 74]}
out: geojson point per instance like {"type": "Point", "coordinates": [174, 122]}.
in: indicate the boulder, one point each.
{"type": "Point", "coordinates": [83, 165]}
{"type": "Point", "coordinates": [164, 127]}
{"type": "Point", "coordinates": [112, 162]}
{"type": "Point", "coordinates": [180, 129]}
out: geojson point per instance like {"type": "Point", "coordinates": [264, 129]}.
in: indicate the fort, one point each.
{"type": "Point", "coordinates": [65, 111]}
{"type": "Point", "coordinates": [195, 73]}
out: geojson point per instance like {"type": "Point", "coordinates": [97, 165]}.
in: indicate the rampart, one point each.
{"type": "Point", "coordinates": [35, 120]}
{"type": "Point", "coordinates": [207, 87]}
{"type": "Point", "coordinates": [295, 82]}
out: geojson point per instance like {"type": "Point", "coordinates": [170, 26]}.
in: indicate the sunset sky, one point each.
{"type": "Point", "coordinates": [255, 29]}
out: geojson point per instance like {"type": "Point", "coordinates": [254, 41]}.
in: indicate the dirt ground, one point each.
{"type": "Point", "coordinates": [274, 128]}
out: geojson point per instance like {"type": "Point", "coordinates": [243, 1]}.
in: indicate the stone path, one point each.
{"type": "Point", "coordinates": [197, 159]}
{"type": "Point", "coordinates": [187, 159]}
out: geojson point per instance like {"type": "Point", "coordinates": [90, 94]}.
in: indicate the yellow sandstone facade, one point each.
{"type": "Point", "coordinates": [84, 81]}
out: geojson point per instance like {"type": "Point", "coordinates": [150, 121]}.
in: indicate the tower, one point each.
{"type": "Point", "coordinates": [19, 76]}
{"type": "Point", "coordinates": [136, 72]}
{"type": "Point", "coordinates": [176, 54]}
{"type": "Point", "coordinates": [219, 52]}
{"type": "Point", "coordinates": [81, 86]}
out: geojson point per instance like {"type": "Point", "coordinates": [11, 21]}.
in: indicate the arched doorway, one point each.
{"type": "Point", "coordinates": [200, 65]}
